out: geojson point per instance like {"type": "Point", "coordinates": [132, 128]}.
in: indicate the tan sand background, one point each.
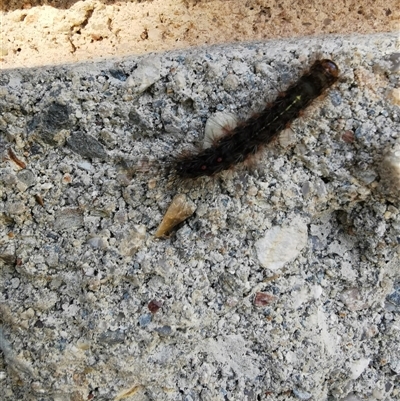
{"type": "Point", "coordinates": [52, 32]}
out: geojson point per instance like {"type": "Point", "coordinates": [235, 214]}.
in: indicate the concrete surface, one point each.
{"type": "Point", "coordinates": [93, 306]}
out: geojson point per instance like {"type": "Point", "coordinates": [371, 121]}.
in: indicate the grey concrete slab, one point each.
{"type": "Point", "coordinates": [283, 284]}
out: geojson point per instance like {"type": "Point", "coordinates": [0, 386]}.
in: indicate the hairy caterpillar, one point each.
{"type": "Point", "coordinates": [251, 135]}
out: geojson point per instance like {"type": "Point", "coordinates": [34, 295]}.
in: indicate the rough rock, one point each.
{"type": "Point", "coordinates": [81, 267]}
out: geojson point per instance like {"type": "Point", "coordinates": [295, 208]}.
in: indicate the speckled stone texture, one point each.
{"type": "Point", "coordinates": [284, 283]}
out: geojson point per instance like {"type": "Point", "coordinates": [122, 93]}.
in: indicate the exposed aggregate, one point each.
{"type": "Point", "coordinates": [284, 283]}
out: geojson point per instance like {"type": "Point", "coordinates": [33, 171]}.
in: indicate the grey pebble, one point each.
{"type": "Point", "coordinates": [68, 219]}
{"type": "Point", "coordinates": [86, 146]}
{"type": "Point", "coordinates": [301, 394]}
{"type": "Point", "coordinates": [47, 124]}
{"type": "Point", "coordinates": [27, 177]}
{"type": "Point", "coordinates": [164, 330]}
{"type": "Point", "coordinates": [112, 337]}
{"type": "Point", "coordinates": [394, 297]}
{"type": "Point", "coordinates": [147, 73]}
{"type": "Point", "coordinates": [15, 208]}
{"type": "Point", "coordinates": [145, 320]}
{"type": "Point", "coordinates": [231, 82]}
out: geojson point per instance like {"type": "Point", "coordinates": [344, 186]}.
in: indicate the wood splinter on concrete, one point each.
{"type": "Point", "coordinates": [179, 210]}
{"type": "Point", "coordinates": [20, 163]}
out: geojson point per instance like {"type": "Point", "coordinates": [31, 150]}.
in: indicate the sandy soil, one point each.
{"type": "Point", "coordinates": [53, 32]}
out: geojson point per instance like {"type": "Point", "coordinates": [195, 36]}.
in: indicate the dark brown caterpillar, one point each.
{"type": "Point", "coordinates": [249, 137]}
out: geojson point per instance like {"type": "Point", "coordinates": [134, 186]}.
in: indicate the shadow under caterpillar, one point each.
{"type": "Point", "coordinates": [250, 136]}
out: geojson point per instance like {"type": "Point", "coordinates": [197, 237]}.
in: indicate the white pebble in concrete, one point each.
{"type": "Point", "coordinates": [281, 245]}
